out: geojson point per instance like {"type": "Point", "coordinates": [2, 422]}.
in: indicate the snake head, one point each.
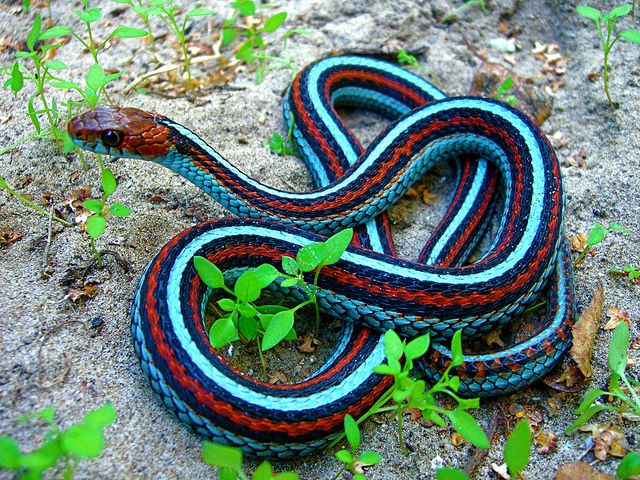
{"type": "Point", "coordinates": [121, 132]}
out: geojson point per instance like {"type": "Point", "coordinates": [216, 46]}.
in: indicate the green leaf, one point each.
{"type": "Point", "coordinates": [222, 332]}
{"type": "Point", "coordinates": [101, 417]}
{"type": "Point", "coordinates": [57, 31]}
{"type": "Point", "coordinates": [448, 473]}
{"type": "Point", "coordinates": [209, 273]}
{"type": "Point", "coordinates": [9, 453]}
{"type": "Point", "coordinates": [248, 327]}
{"type": "Point", "coordinates": [289, 265]}
{"type": "Point", "coordinates": [620, 11]}
{"type": "Point", "coordinates": [616, 227]}
{"type": "Point", "coordinates": [17, 79]}
{"type": "Point", "coordinates": [336, 245]}
{"type": "Point", "coordinates": [629, 466]}
{"type": "Point", "coordinates": [199, 12]}
{"type": "Point", "coordinates": [369, 458]}
{"type": "Point", "coordinates": [466, 425]}
{"type": "Point", "coordinates": [289, 282]}
{"type": "Point", "coordinates": [457, 357]}
{"type": "Point", "coordinates": [352, 432]}
{"type": "Point", "coordinates": [89, 16]}
{"type": "Point", "coordinates": [93, 205]}
{"type": "Point", "coordinates": [586, 415]}
{"type": "Point", "coordinates": [417, 347]}
{"type": "Point", "coordinates": [310, 256]}
{"type": "Point", "coordinates": [589, 398]}
{"type": "Point", "coordinates": [588, 12]}
{"type": "Point", "coordinates": [276, 144]}
{"type": "Point", "coordinates": [128, 32]}
{"type": "Point", "coordinates": [247, 310]}
{"type": "Point", "coordinates": [287, 476]}
{"type": "Point", "coordinates": [48, 415]}
{"type": "Point", "coordinates": [274, 21]}
{"type": "Point", "coordinates": [63, 84]}
{"type": "Point", "coordinates": [266, 274]}
{"type": "Point", "coordinates": [278, 328]}
{"type": "Point", "coordinates": [34, 33]}
{"type": "Point", "coordinates": [393, 347]}
{"type": "Point", "coordinates": [618, 348]}
{"type": "Point", "coordinates": [631, 35]}
{"type": "Point", "coordinates": [222, 456]}
{"type": "Point", "coordinates": [245, 7]}
{"type": "Point", "coordinates": [247, 288]}
{"type": "Point", "coordinates": [245, 52]}
{"type": "Point", "coordinates": [292, 335]}
{"type": "Point", "coordinates": [108, 182]}
{"type": "Point", "coordinates": [263, 472]}
{"type": "Point", "coordinates": [96, 225]}
{"type": "Point", "coordinates": [227, 474]}
{"type": "Point", "coordinates": [344, 456]}
{"type": "Point", "coordinates": [517, 448]}
{"type": "Point", "coordinates": [228, 35]}
{"type": "Point", "coordinates": [82, 441]}
{"type": "Point", "coordinates": [56, 65]}
{"type": "Point", "coordinates": [119, 210]}
{"type": "Point", "coordinates": [33, 116]}
{"type": "Point", "coordinates": [226, 304]}
{"type": "Point", "coordinates": [42, 458]}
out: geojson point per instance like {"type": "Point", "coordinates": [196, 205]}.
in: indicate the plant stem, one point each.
{"type": "Point", "coordinates": [95, 252]}
{"type": "Point", "coordinates": [633, 393]}
{"type": "Point", "coordinates": [33, 205]}
{"type": "Point", "coordinates": [403, 447]}
{"type": "Point", "coordinates": [264, 364]}
{"type": "Point", "coordinates": [339, 474]}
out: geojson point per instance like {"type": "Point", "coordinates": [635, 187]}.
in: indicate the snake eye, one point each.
{"type": "Point", "coordinates": [112, 138]}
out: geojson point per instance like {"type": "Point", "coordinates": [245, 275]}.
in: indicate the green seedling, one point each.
{"type": "Point", "coordinates": [632, 272]}
{"type": "Point", "coordinates": [405, 58]}
{"type": "Point", "coordinates": [40, 75]}
{"type": "Point", "coordinates": [61, 450]}
{"type": "Point", "coordinates": [410, 393]}
{"type": "Point", "coordinates": [90, 16]}
{"type": "Point", "coordinates": [627, 398]}
{"type": "Point", "coordinates": [458, 11]}
{"type": "Point", "coordinates": [268, 325]}
{"type": "Point", "coordinates": [228, 460]}
{"type": "Point", "coordinates": [597, 234]}
{"type": "Point", "coordinates": [97, 222]}
{"type": "Point", "coordinates": [253, 48]}
{"type": "Point", "coordinates": [502, 93]}
{"type": "Point", "coordinates": [606, 25]}
{"type": "Point", "coordinates": [354, 462]}
{"type": "Point", "coordinates": [279, 145]}
{"type": "Point", "coordinates": [517, 450]}
{"type": "Point", "coordinates": [167, 13]}
{"type": "Point", "coordinates": [144, 10]}
{"type": "Point", "coordinates": [629, 466]}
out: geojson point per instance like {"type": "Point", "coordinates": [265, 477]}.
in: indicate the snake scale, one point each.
{"type": "Point", "coordinates": [504, 165]}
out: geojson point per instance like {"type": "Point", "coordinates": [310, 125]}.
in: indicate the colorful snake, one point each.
{"type": "Point", "coordinates": [503, 163]}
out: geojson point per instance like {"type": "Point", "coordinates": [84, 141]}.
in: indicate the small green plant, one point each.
{"type": "Point", "coordinates": [268, 324]}
{"type": "Point", "coordinates": [502, 93]}
{"type": "Point", "coordinates": [167, 13]}
{"type": "Point", "coordinates": [279, 145]}
{"type": "Point", "coordinates": [517, 450]}
{"type": "Point", "coordinates": [628, 400]}
{"type": "Point", "coordinates": [144, 10]}
{"type": "Point", "coordinates": [26, 201]}
{"type": "Point", "coordinates": [405, 58]}
{"type": "Point", "coordinates": [597, 234]}
{"type": "Point", "coordinates": [606, 26]}
{"type": "Point", "coordinates": [97, 222]}
{"type": "Point", "coordinates": [629, 466]}
{"type": "Point", "coordinates": [410, 393]}
{"type": "Point", "coordinates": [353, 462]}
{"type": "Point", "coordinates": [456, 12]}
{"type": "Point", "coordinates": [253, 48]}
{"type": "Point", "coordinates": [632, 272]}
{"type": "Point", "coordinates": [228, 460]}
{"type": "Point", "coordinates": [90, 16]}
{"type": "Point", "coordinates": [61, 449]}
{"type": "Point", "coordinates": [41, 74]}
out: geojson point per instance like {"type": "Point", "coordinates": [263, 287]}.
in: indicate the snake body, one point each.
{"type": "Point", "coordinates": [496, 150]}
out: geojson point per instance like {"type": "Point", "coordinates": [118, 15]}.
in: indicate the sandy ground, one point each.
{"type": "Point", "coordinates": [50, 356]}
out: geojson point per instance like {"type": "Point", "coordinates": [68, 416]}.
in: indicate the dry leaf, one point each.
{"type": "Point", "coordinates": [493, 338]}
{"type": "Point", "coordinates": [546, 443]}
{"type": "Point", "coordinates": [581, 471]}
{"type": "Point", "coordinates": [616, 316]}
{"type": "Point", "coordinates": [8, 236]}
{"type": "Point", "coordinates": [428, 197]}
{"type": "Point", "coordinates": [501, 471]}
{"type": "Point", "coordinates": [584, 332]}
{"type": "Point", "coordinates": [579, 241]}
{"type": "Point", "coordinates": [307, 344]}
{"type": "Point", "coordinates": [567, 379]}
{"type": "Point", "coordinates": [411, 194]}
{"type": "Point", "coordinates": [457, 440]}
{"type": "Point", "coordinates": [279, 378]}
{"type": "Point", "coordinates": [78, 294]}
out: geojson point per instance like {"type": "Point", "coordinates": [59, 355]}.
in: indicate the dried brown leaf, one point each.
{"type": "Point", "coordinates": [567, 379]}
{"type": "Point", "coordinates": [581, 471]}
{"type": "Point", "coordinates": [79, 294]}
{"type": "Point", "coordinates": [501, 471]}
{"type": "Point", "coordinates": [616, 316]}
{"type": "Point", "coordinates": [579, 241]}
{"type": "Point", "coordinates": [307, 344]}
{"type": "Point", "coordinates": [546, 443]}
{"type": "Point", "coordinates": [584, 332]}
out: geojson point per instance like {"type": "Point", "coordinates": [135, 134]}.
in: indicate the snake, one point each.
{"type": "Point", "coordinates": [504, 167]}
